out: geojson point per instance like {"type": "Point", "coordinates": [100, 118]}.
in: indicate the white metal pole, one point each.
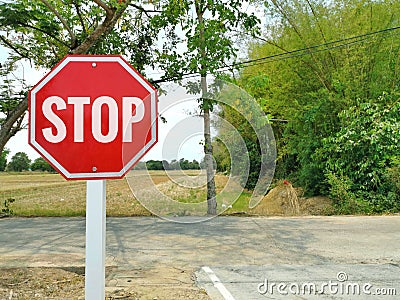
{"type": "Point", "coordinates": [95, 239]}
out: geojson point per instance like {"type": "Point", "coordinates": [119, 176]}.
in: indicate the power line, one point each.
{"type": "Point", "coordinates": [291, 54]}
{"type": "Point", "coordinates": [308, 50]}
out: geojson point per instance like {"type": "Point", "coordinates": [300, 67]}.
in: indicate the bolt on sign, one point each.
{"type": "Point", "coordinates": [93, 117]}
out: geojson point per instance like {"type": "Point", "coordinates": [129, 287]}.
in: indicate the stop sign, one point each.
{"type": "Point", "coordinates": [93, 117]}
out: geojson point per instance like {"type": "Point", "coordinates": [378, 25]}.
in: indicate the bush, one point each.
{"type": "Point", "coordinates": [305, 137]}
{"type": "Point", "coordinates": [344, 200]}
{"type": "Point", "coordinates": [362, 157]}
{"type": "Point", "coordinates": [7, 207]}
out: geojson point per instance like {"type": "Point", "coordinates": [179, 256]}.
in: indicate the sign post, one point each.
{"type": "Point", "coordinates": [95, 239]}
{"type": "Point", "coordinates": [93, 117]}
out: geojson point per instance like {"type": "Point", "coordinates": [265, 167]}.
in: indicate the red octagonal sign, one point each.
{"type": "Point", "coordinates": [93, 117]}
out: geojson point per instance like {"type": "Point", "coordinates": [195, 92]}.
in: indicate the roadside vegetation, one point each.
{"type": "Point", "coordinates": [327, 75]}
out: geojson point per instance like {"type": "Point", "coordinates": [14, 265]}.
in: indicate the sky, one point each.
{"type": "Point", "coordinates": [180, 137]}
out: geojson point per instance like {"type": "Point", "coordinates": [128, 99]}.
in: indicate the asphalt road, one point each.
{"type": "Point", "coordinates": [233, 258]}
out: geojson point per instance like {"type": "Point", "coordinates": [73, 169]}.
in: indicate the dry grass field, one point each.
{"type": "Point", "coordinates": [43, 194]}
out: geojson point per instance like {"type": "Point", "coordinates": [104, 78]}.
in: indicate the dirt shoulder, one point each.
{"type": "Point", "coordinates": [69, 283]}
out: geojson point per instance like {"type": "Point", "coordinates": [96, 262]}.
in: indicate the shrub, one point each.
{"type": "Point", "coordinates": [362, 157]}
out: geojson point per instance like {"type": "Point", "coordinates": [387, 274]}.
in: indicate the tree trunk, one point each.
{"type": "Point", "coordinates": [7, 129]}
{"type": "Point", "coordinates": [208, 153]}
{"type": "Point", "coordinates": [206, 105]}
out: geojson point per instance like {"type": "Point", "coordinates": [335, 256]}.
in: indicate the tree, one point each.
{"type": "Point", "coordinates": [19, 162]}
{"type": "Point", "coordinates": [221, 154]}
{"type": "Point", "coordinates": [40, 164]}
{"type": "Point", "coordinates": [184, 164]}
{"type": "Point", "coordinates": [194, 165]}
{"type": "Point", "coordinates": [43, 32]}
{"type": "Point", "coordinates": [154, 165]}
{"type": "Point", "coordinates": [362, 152]}
{"type": "Point", "coordinates": [319, 58]}
{"type": "Point", "coordinates": [3, 159]}
{"type": "Point", "coordinates": [209, 28]}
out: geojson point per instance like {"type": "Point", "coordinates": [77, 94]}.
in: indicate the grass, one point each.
{"type": "Point", "coordinates": [41, 194]}
{"type": "Point", "coordinates": [241, 205]}
{"type": "Point", "coordinates": [45, 195]}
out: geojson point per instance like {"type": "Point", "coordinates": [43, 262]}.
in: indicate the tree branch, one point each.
{"type": "Point", "coordinates": [63, 21]}
{"type": "Point", "coordinates": [17, 127]}
{"type": "Point", "coordinates": [8, 124]}
{"type": "Point", "coordinates": [5, 41]}
{"type": "Point", "coordinates": [316, 68]}
{"type": "Point", "coordinates": [104, 6]}
{"type": "Point", "coordinates": [145, 11]}
{"type": "Point", "coordinates": [102, 29]}
{"type": "Point", "coordinates": [78, 12]}
{"type": "Point", "coordinates": [45, 32]}
{"type": "Point", "coordinates": [320, 30]}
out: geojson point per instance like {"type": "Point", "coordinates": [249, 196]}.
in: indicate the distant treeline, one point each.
{"type": "Point", "coordinates": [182, 164]}
{"type": "Point", "coordinates": [21, 162]}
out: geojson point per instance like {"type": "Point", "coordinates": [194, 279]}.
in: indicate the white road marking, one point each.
{"type": "Point", "coordinates": [218, 284]}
